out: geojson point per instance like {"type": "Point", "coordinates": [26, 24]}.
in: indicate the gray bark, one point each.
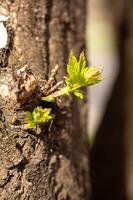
{"type": "Point", "coordinates": [52, 164]}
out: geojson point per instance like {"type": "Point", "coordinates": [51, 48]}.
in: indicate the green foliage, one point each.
{"type": "Point", "coordinates": [38, 116]}
{"type": "Point", "coordinates": [79, 75]}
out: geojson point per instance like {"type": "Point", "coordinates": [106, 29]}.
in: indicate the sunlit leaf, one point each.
{"type": "Point", "coordinates": [38, 116]}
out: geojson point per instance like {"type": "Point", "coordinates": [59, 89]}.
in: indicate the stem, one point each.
{"type": "Point", "coordinates": [62, 92]}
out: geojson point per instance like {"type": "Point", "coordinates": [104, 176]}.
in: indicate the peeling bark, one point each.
{"type": "Point", "coordinates": [52, 164]}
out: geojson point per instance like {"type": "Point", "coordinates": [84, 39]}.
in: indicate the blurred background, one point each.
{"type": "Point", "coordinates": [110, 45]}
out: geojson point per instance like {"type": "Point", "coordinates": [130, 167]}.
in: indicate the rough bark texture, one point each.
{"type": "Point", "coordinates": [112, 155]}
{"type": "Point", "coordinates": [53, 164]}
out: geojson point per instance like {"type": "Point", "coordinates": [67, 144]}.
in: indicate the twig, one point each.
{"type": "Point", "coordinates": [51, 78]}
{"type": "Point", "coordinates": [55, 87]}
{"type": "Point", "coordinates": [13, 74]}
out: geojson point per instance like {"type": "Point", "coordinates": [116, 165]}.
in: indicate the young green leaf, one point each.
{"type": "Point", "coordinates": [48, 98]}
{"type": "Point", "coordinates": [29, 120]}
{"type": "Point", "coordinates": [79, 94]}
{"type": "Point", "coordinates": [93, 75]}
{"type": "Point", "coordinates": [38, 116]}
{"type": "Point", "coordinates": [79, 75]}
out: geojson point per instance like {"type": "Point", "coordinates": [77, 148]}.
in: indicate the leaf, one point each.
{"type": "Point", "coordinates": [29, 117]}
{"type": "Point", "coordinates": [79, 94]}
{"type": "Point", "coordinates": [29, 120]}
{"type": "Point", "coordinates": [79, 75]}
{"type": "Point", "coordinates": [93, 75]}
{"type": "Point", "coordinates": [82, 60]}
{"type": "Point", "coordinates": [38, 116]}
{"type": "Point", "coordinates": [71, 63]}
{"type": "Point", "coordinates": [75, 71]}
{"type": "Point", "coordinates": [48, 98]}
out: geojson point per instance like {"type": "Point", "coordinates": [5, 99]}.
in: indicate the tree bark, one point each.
{"type": "Point", "coordinates": [54, 163]}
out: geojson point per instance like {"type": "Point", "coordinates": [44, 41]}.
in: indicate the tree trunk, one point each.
{"type": "Point", "coordinates": [53, 163]}
{"type": "Point", "coordinates": [114, 141]}
{"type": "Point", "coordinates": [128, 64]}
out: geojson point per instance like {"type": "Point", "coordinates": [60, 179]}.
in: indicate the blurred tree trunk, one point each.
{"type": "Point", "coordinates": [53, 164]}
{"type": "Point", "coordinates": [112, 154]}
{"type": "Point", "coordinates": [128, 131]}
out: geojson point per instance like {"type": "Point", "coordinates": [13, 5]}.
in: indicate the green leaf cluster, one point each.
{"type": "Point", "coordinates": [37, 116]}
{"type": "Point", "coordinates": [80, 75]}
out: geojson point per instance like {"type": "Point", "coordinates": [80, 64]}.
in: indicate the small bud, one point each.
{"type": "Point", "coordinates": [14, 119]}
{"type": "Point", "coordinates": [94, 75]}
